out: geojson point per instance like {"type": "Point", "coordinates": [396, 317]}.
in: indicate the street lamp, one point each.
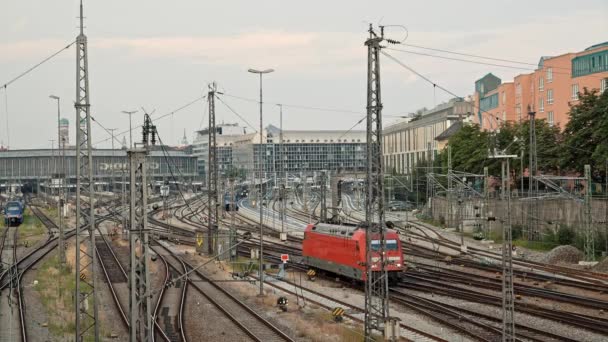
{"type": "Point", "coordinates": [260, 199]}
{"type": "Point", "coordinates": [60, 197]}
{"type": "Point", "coordinates": [130, 113]}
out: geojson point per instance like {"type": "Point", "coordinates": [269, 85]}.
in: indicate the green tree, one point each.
{"type": "Point", "coordinates": [470, 149]}
{"type": "Point", "coordinates": [586, 132]}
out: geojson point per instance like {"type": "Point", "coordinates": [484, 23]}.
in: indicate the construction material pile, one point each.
{"type": "Point", "coordinates": [602, 266]}
{"type": "Point", "coordinates": [563, 255]}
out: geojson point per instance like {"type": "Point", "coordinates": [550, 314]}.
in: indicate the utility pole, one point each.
{"type": "Point", "coordinates": [212, 175]}
{"type": "Point", "coordinates": [60, 197]}
{"type": "Point", "coordinates": [130, 113]}
{"type": "Point", "coordinates": [508, 293]}
{"type": "Point", "coordinates": [533, 233]}
{"type": "Point", "coordinates": [140, 309]}
{"type": "Point", "coordinates": [261, 170]}
{"type": "Point", "coordinates": [450, 188]}
{"type": "Point", "coordinates": [123, 169]}
{"type": "Point", "coordinates": [86, 263]}
{"type": "Point", "coordinates": [486, 202]}
{"type": "Point", "coordinates": [113, 161]}
{"type": "Point", "coordinates": [304, 186]}
{"type": "Point", "coordinates": [589, 238]}
{"type": "Point", "coordinates": [283, 188]}
{"type": "Point", "coordinates": [376, 285]}
{"type": "Point", "coordinates": [233, 232]}
{"type": "Point", "coordinates": [323, 194]}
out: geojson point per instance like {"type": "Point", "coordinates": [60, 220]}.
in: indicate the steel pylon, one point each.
{"type": "Point", "coordinates": [376, 287]}
{"type": "Point", "coordinates": [589, 245]}
{"type": "Point", "coordinates": [508, 294]}
{"type": "Point", "coordinates": [533, 229]}
{"type": "Point", "coordinates": [140, 309]}
{"type": "Point", "coordinates": [85, 262]}
{"type": "Point", "coordinates": [212, 176]}
{"type": "Point", "coordinates": [139, 276]}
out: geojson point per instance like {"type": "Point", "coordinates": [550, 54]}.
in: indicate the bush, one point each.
{"type": "Point", "coordinates": [565, 235]}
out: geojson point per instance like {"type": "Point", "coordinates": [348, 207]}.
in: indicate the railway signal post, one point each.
{"type": "Point", "coordinates": [86, 263]}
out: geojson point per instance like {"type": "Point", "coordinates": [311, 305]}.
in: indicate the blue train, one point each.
{"type": "Point", "coordinates": [229, 205]}
{"type": "Point", "coordinates": [13, 212]}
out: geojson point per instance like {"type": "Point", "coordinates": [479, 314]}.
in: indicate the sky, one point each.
{"type": "Point", "coordinates": [161, 55]}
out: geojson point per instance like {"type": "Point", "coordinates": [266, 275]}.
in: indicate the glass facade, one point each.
{"type": "Point", "coordinates": [590, 64]}
{"type": "Point", "coordinates": [33, 164]}
{"type": "Point", "coordinates": [489, 102]}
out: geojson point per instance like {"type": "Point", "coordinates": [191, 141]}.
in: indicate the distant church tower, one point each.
{"type": "Point", "coordinates": [184, 139]}
{"type": "Point", "coordinates": [124, 143]}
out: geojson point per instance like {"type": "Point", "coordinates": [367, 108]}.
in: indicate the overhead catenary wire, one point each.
{"type": "Point", "coordinates": [107, 130]}
{"type": "Point", "coordinates": [313, 108]}
{"type": "Point", "coordinates": [37, 65]}
{"type": "Point", "coordinates": [8, 131]}
{"type": "Point", "coordinates": [188, 104]}
{"type": "Point", "coordinates": [235, 113]}
{"type": "Point", "coordinates": [480, 62]}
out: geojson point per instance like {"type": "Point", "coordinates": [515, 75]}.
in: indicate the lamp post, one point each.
{"type": "Point", "coordinates": [130, 113]}
{"type": "Point", "coordinates": [60, 199]}
{"type": "Point", "coordinates": [261, 170]}
{"type": "Point", "coordinates": [113, 161]}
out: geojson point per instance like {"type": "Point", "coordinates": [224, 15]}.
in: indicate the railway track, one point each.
{"type": "Point", "coordinates": [250, 322]}
{"type": "Point", "coordinates": [115, 273]}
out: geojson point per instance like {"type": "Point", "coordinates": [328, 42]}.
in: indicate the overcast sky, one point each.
{"type": "Point", "coordinates": [161, 55]}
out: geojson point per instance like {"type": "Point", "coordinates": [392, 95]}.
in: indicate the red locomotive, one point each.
{"type": "Point", "coordinates": [341, 250]}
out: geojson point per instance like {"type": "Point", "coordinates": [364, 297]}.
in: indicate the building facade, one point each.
{"type": "Point", "coordinates": [24, 165]}
{"type": "Point", "coordinates": [305, 151]}
{"type": "Point", "coordinates": [411, 140]}
{"type": "Point", "coordinates": [226, 135]}
{"type": "Point", "coordinates": [549, 91]}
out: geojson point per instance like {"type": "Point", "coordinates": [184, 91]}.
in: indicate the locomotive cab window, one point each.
{"type": "Point", "coordinates": [391, 245]}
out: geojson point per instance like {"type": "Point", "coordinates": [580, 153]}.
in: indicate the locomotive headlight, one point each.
{"type": "Point", "coordinates": [398, 265]}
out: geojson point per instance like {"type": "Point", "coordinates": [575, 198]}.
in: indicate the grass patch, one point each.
{"type": "Point", "coordinates": [31, 231]}
{"type": "Point", "coordinates": [56, 287]}
{"type": "Point", "coordinates": [542, 246]}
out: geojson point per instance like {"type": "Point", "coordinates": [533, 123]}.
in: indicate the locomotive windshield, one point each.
{"type": "Point", "coordinates": [390, 245]}
{"type": "Point", "coordinates": [13, 208]}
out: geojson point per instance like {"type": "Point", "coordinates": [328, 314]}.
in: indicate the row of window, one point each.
{"type": "Point", "coordinates": [590, 64]}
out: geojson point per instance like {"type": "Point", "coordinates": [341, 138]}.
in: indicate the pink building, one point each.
{"type": "Point", "coordinates": [549, 91]}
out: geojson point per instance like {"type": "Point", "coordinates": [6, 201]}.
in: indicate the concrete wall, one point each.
{"type": "Point", "coordinates": [551, 212]}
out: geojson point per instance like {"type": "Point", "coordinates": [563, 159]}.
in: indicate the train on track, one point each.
{"type": "Point", "coordinates": [13, 212]}
{"type": "Point", "coordinates": [230, 205]}
{"type": "Point", "coordinates": [340, 249]}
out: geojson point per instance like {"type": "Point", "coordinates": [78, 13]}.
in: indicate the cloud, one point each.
{"type": "Point", "coordinates": [277, 48]}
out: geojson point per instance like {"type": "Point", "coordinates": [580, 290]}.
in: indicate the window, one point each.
{"type": "Point", "coordinates": [390, 245]}
{"type": "Point", "coordinates": [550, 96]}
{"type": "Point", "coordinates": [504, 98]}
{"type": "Point", "coordinates": [541, 84]}
{"type": "Point", "coordinates": [504, 116]}
{"type": "Point", "coordinates": [603, 85]}
{"type": "Point", "coordinates": [518, 90]}
{"type": "Point", "coordinates": [550, 118]}
{"type": "Point", "coordinates": [549, 75]}
{"type": "Point", "coordinates": [541, 105]}
{"type": "Point", "coordinates": [518, 109]}
{"type": "Point", "coordinates": [575, 91]}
